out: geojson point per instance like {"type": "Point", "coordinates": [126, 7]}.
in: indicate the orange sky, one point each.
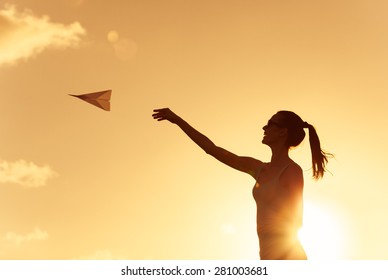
{"type": "Point", "coordinates": [77, 182]}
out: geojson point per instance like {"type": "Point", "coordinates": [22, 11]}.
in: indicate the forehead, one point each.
{"type": "Point", "coordinates": [276, 118]}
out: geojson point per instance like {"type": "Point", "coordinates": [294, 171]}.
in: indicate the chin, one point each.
{"type": "Point", "coordinates": [266, 141]}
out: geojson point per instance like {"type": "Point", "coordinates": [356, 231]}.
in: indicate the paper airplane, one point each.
{"type": "Point", "coordinates": [100, 99]}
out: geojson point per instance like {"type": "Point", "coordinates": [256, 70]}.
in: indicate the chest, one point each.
{"type": "Point", "coordinates": [268, 186]}
{"type": "Point", "coordinates": [265, 192]}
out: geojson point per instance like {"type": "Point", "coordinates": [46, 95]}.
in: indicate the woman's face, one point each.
{"type": "Point", "coordinates": [273, 130]}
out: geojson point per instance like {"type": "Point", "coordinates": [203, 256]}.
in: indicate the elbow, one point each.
{"type": "Point", "coordinates": [209, 148]}
{"type": "Point", "coordinates": [209, 151]}
{"type": "Point", "coordinates": [213, 150]}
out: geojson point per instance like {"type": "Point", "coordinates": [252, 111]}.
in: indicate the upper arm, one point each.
{"type": "Point", "coordinates": [248, 165]}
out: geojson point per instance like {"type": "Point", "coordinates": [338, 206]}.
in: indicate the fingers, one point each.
{"type": "Point", "coordinates": [165, 114]}
{"type": "Point", "coordinates": [158, 117]}
{"type": "Point", "coordinates": [160, 114]}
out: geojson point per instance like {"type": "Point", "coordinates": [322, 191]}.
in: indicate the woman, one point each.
{"type": "Point", "coordinates": [278, 191]}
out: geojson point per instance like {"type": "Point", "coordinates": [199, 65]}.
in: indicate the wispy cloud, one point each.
{"type": "Point", "coordinates": [36, 235]}
{"type": "Point", "coordinates": [23, 34]}
{"type": "Point", "coordinates": [24, 173]}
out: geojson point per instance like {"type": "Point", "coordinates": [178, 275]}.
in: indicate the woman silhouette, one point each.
{"type": "Point", "coordinates": [278, 190]}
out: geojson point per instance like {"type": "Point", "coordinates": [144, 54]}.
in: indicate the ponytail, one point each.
{"type": "Point", "coordinates": [296, 134]}
{"type": "Point", "coordinates": [319, 157]}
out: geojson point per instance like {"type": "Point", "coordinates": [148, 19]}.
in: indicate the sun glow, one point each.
{"type": "Point", "coordinates": [322, 234]}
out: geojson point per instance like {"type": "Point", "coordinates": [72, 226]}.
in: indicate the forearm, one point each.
{"type": "Point", "coordinates": [244, 164]}
{"type": "Point", "coordinates": [201, 140]}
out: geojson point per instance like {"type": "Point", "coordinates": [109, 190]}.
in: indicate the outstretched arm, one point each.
{"type": "Point", "coordinates": [245, 164]}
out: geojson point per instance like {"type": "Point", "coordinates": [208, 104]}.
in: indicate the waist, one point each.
{"type": "Point", "coordinates": [277, 235]}
{"type": "Point", "coordinates": [265, 232]}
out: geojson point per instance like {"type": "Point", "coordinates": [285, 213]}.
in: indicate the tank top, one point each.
{"type": "Point", "coordinates": [276, 219]}
{"type": "Point", "coordinates": [270, 200]}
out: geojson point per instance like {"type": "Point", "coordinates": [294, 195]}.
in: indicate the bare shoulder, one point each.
{"type": "Point", "coordinates": [292, 176]}
{"type": "Point", "coordinates": [294, 168]}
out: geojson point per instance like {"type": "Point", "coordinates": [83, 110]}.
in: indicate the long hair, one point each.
{"type": "Point", "coordinates": [295, 126]}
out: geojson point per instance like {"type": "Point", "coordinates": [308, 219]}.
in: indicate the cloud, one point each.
{"type": "Point", "coordinates": [24, 173]}
{"type": "Point", "coordinates": [24, 35]}
{"type": "Point", "coordinates": [36, 235]}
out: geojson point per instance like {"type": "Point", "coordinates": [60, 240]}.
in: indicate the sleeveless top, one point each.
{"type": "Point", "coordinates": [278, 219]}
{"type": "Point", "coordinates": [273, 214]}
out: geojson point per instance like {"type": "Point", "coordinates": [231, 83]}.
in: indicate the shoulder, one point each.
{"type": "Point", "coordinates": [293, 168]}
{"type": "Point", "coordinates": [292, 176]}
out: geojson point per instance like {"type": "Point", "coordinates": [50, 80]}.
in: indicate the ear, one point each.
{"type": "Point", "coordinates": [284, 132]}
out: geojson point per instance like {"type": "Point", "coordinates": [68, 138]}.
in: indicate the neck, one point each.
{"type": "Point", "coordinates": [279, 155]}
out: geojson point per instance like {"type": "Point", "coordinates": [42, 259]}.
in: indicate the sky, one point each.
{"type": "Point", "coordinates": [77, 182]}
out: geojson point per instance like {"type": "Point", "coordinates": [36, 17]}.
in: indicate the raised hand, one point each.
{"type": "Point", "coordinates": [165, 114]}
